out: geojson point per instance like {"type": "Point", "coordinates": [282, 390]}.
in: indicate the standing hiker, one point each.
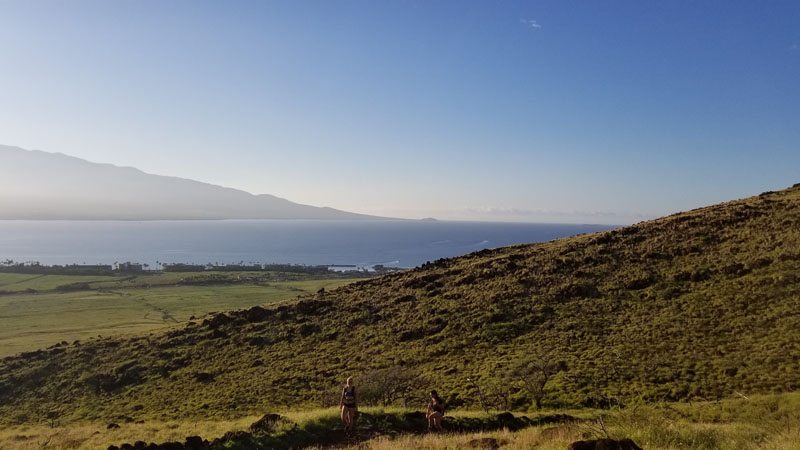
{"type": "Point", "coordinates": [348, 403]}
{"type": "Point", "coordinates": [435, 412]}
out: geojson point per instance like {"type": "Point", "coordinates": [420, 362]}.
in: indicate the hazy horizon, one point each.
{"type": "Point", "coordinates": [36, 184]}
{"type": "Point", "coordinates": [519, 111]}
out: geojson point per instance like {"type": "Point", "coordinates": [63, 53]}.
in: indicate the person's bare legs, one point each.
{"type": "Point", "coordinates": [346, 418]}
{"type": "Point", "coordinates": [437, 420]}
{"type": "Point", "coordinates": [352, 418]}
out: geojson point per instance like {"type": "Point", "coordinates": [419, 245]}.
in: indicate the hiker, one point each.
{"type": "Point", "coordinates": [435, 412]}
{"type": "Point", "coordinates": [348, 404]}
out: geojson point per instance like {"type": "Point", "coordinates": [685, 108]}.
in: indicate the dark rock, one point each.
{"type": "Point", "coordinates": [604, 444]}
{"type": "Point", "coordinates": [486, 443]}
{"type": "Point", "coordinates": [112, 447]}
{"type": "Point", "coordinates": [405, 299]}
{"type": "Point", "coordinates": [640, 282]}
{"type": "Point", "coordinates": [29, 355]}
{"type": "Point", "coordinates": [203, 377]}
{"type": "Point", "coordinates": [577, 290]}
{"type": "Point", "coordinates": [238, 437]}
{"type": "Point", "coordinates": [553, 418]}
{"type": "Point", "coordinates": [102, 382]}
{"type": "Point", "coordinates": [140, 445]}
{"type": "Point", "coordinates": [266, 423]}
{"type": "Point", "coordinates": [194, 443]}
{"type": "Point", "coordinates": [332, 336]}
{"type": "Point", "coordinates": [422, 281]}
{"type": "Point", "coordinates": [307, 329]}
{"type": "Point", "coordinates": [112, 426]}
{"type": "Point", "coordinates": [411, 335]}
{"type": "Point", "coordinates": [259, 341]}
{"type": "Point", "coordinates": [311, 307]}
{"type": "Point", "coordinates": [257, 314]}
{"type": "Point", "coordinates": [505, 417]}
{"type": "Point", "coordinates": [507, 420]}
{"type": "Point", "coordinates": [284, 312]}
{"type": "Point", "coordinates": [217, 320]}
{"type": "Point", "coordinates": [170, 446]}
{"type": "Point", "coordinates": [582, 445]}
{"type": "Point", "coordinates": [700, 275]}
{"type": "Point", "coordinates": [126, 446]}
{"type": "Point", "coordinates": [218, 334]}
{"type": "Point", "coordinates": [737, 269]}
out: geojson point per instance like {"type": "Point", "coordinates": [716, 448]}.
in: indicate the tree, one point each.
{"type": "Point", "coordinates": [481, 396]}
{"type": "Point", "coordinates": [499, 395]}
{"type": "Point", "coordinates": [387, 386]}
{"type": "Point", "coordinates": [534, 372]}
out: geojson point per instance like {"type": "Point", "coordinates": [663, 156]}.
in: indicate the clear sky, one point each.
{"type": "Point", "coordinates": [572, 111]}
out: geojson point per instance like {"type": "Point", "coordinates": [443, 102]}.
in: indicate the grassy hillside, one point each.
{"type": "Point", "coordinates": [37, 311]}
{"type": "Point", "coordinates": [760, 422]}
{"type": "Point", "coordinates": [698, 305]}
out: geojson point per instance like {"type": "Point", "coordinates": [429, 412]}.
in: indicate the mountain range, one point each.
{"type": "Point", "coordinates": [37, 185]}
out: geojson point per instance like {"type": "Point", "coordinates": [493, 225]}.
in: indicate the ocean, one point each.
{"type": "Point", "coordinates": [392, 243]}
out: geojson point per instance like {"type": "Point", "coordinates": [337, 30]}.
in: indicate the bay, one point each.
{"type": "Point", "coordinates": [397, 243]}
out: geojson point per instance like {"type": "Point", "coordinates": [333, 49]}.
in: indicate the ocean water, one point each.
{"type": "Point", "coordinates": [313, 242]}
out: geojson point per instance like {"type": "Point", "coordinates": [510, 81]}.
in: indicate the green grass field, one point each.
{"type": "Point", "coordinates": [37, 311]}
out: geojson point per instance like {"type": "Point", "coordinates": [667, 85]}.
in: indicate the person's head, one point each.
{"type": "Point", "coordinates": [349, 382]}
{"type": "Point", "coordinates": [435, 395]}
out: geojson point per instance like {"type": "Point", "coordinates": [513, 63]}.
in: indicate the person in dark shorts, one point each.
{"type": "Point", "coordinates": [348, 404]}
{"type": "Point", "coordinates": [435, 412]}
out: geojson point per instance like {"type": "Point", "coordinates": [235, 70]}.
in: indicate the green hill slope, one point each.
{"type": "Point", "coordinates": [700, 304]}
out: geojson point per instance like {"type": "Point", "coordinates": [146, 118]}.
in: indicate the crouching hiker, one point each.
{"type": "Point", "coordinates": [435, 412]}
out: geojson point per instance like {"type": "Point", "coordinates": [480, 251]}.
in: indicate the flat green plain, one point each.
{"type": "Point", "coordinates": [37, 311]}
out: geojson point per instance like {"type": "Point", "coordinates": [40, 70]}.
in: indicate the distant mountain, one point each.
{"type": "Point", "coordinates": [44, 186]}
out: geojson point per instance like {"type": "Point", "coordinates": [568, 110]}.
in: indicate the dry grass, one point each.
{"type": "Point", "coordinates": [97, 436]}
{"type": "Point", "coordinates": [679, 436]}
{"type": "Point", "coordinates": [770, 422]}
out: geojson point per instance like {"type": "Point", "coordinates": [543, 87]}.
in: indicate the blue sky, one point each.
{"type": "Point", "coordinates": [569, 111]}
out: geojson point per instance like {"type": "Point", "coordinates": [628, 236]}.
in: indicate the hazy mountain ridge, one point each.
{"type": "Point", "coordinates": [38, 185]}
{"type": "Point", "coordinates": [697, 305]}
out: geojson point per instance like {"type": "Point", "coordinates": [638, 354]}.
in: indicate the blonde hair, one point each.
{"type": "Point", "coordinates": [349, 380]}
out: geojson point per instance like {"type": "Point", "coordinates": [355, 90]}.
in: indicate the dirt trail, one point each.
{"type": "Point", "coordinates": [166, 315]}
{"type": "Point", "coordinates": [35, 277]}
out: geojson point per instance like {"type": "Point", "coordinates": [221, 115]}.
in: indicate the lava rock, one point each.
{"type": "Point", "coordinates": [604, 444]}
{"type": "Point", "coordinates": [266, 423]}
